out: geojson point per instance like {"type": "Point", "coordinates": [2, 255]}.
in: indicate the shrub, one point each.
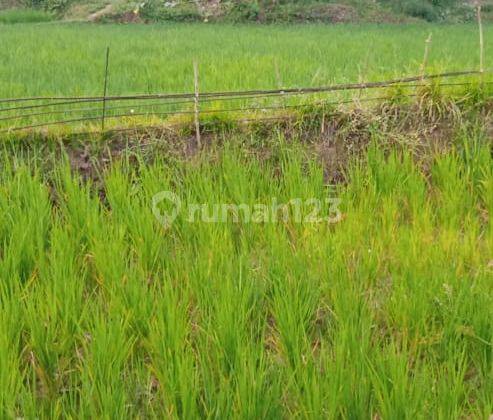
{"type": "Point", "coordinates": [245, 11]}
{"type": "Point", "coordinates": [421, 9]}
{"type": "Point", "coordinates": [430, 10]}
{"type": "Point", "coordinates": [56, 6]}
{"type": "Point", "coordinates": [24, 16]}
{"type": "Point", "coordinates": [154, 10]}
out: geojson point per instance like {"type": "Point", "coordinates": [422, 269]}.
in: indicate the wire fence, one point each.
{"type": "Point", "coordinates": [31, 113]}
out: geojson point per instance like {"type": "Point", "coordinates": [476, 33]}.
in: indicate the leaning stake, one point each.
{"type": "Point", "coordinates": [105, 87]}
{"type": "Point", "coordinates": [425, 57]}
{"type": "Point", "coordinates": [481, 42]}
{"type": "Point", "coordinates": [196, 103]}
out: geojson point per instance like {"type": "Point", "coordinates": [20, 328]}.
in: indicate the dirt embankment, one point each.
{"type": "Point", "coordinates": [334, 138]}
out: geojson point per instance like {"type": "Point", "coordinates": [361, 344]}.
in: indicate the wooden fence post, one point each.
{"type": "Point", "coordinates": [424, 65]}
{"type": "Point", "coordinates": [105, 90]}
{"type": "Point", "coordinates": [481, 41]}
{"type": "Point", "coordinates": [196, 104]}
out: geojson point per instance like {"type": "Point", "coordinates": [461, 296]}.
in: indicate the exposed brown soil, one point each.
{"type": "Point", "coordinates": [332, 139]}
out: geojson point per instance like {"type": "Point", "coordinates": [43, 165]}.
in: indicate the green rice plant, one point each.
{"type": "Point", "coordinates": [231, 58]}
{"type": "Point", "coordinates": [159, 58]}
{"type": "Point", "coordinates": [107, 312]}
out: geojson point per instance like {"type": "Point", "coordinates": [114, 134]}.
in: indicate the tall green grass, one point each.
{"type": "Point", "coordinates": [68, 59]}
{"type": "Point", "coordinates": [106, 313]}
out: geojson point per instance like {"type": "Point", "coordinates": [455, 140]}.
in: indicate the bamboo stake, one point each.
{"type": "Point", "coordinates": [425, 57]}
{"type": "Point", "coordinates": [481, 41]}
{"type": "Point", "coordinates": [105, 90]}
{"type": "Point", "coordinates": [279, 81]}
{"type": "Point", "coordinates": [278, 75]}
{"type": "Point", "coordinates": [196, 104]}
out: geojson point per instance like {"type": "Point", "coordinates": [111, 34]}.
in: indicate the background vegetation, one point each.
{"type": "Point", "coordinates": [11, 16]}
{"type": "Point", "coordinates": [330, 11]}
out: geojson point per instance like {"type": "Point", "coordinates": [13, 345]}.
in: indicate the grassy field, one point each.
{"type": "Point", "coordinates": [273, 293]}
{"type": "Point", "coordinates": [68, 59]}
{"type": "Point", "coordinates": [383, 313]}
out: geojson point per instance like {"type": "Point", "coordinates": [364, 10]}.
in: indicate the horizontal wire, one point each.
{"type": "Point", "coordinates": [301, 91]}
{"type": "Point", "coordinates": [136, 106]}
{"type": "Point", "coordinates": [94, 100]}
{"type": "Point", "coordinates": [209, 98]}
{"type": "Point", "coordinates": [74, 110]}
{"type": "Point", "coordinates": [161, 104]}
{"type": "Point", "coordinates": [99, 117]}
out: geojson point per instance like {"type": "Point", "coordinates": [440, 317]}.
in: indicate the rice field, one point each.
{"type": "Point", "coordinates": [379, 307]}
{"type": "Point", "coordinates": [68, 59]}
{"type": "Point", "coordinates": [238, 279]}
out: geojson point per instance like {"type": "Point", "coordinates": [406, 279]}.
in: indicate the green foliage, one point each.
{"type": "Point", "coordinates": [420, 9]}
{"type": "Point", "coordinates": [155, 10]}
{"type": "Point", "coordinates": [24, 16]}
{"type": "Point", "coordinates": [313, 10]}
{"type": "Point", "coordinates": [245, 11]}
{"type": "Point", "coordinates": [274, 11]}
{"type": "Point", "coordinates": [430, 10]}
{"type": "Point", "coordinates": [108, 314]}
{"type": "Point", "coordinates": [158, 58]}
{"type": "Point", "coordinates": [56, 6]}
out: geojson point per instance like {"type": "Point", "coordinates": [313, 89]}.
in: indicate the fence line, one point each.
{"type": "Point", "coordinates": [217, 96]}
{"type": "Point", "coordinates": [105, 89]}
{"type": "Point", "coordinates": [210, 111]}
{"type": "Point", "coordinates": [159, 104]}
{"type": "Point", "coordinates": [190, 98]}
{"type": "Point", "coordinates": [300, 91]}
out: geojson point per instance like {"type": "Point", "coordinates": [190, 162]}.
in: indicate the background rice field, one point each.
{"type": "Point", "coordinates": [68, 59]}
